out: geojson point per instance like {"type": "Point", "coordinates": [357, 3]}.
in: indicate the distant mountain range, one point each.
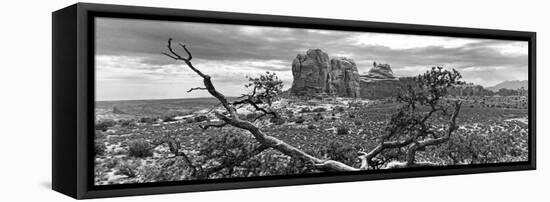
{"type": "Point", "coordinates": [510, 85]}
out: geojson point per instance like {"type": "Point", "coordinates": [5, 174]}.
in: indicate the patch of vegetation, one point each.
{"type": "Point", "coordinates": [103, 125]}
{"type": "Point", "coordinates": [99, 148]}
{"type": "Point", "coordinates": [139, 148]}
{"type": "Point", "coordinates": [341, 130]}
{"type": "Point", "coordinates": [319, 109]}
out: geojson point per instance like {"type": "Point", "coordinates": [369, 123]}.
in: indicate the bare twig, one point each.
{"type": "Point", "coordinates": [220, 125]}
{"type": "Point", "coordinates": [196, 88]}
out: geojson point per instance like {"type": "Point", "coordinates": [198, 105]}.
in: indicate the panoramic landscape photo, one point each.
{"type": "Point", "coordinates": [179, 101]}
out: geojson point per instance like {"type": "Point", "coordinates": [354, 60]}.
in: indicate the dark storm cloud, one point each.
{"type": "Point", "coordinates": [129, 48]}
{"type": "Point", "coordinates": [206, 41]}
{"type": "Point", "coordinates": [234, 43]}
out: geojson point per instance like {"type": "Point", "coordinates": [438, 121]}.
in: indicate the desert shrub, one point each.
{"type": "Point", "coordinates": [319, 109]}
{"type": "Point", "coordinates": [111, 163]}
{"type": "Point", "coordinates": [126, 123]}
{"type": "Point", "coordinates": [222, 147]}
{"type": "Point", "coordinates": [339, 109]}
{"type": "Point", "coordinates": [344, 153]}
{"type": "Point", "coordinates": [289, 112]}
{"type": "Point", "coordinates": [250, 116]}
{"type": "Point", "coordinates": [147, 120]}
{"type": "Point", "coordinates": [128, 168]}
{"type": "Point", "coordinates": [201, 118]}
{"type": "Point", "coordinates": [139, 148]}
{"type": "Point", "coordinates": [226, 150]}
{"type": "Point", "coordinates": [290, 115]}
{"type": "Point", "coordinates": [168, 119]}
{"type": "Point", "coordinates": [358, 123]}
{"type": "Point", "coordinates": [273, 163]}
{"type": "Point", "coordinates": [235, 151]}
{"type": "Point", "coordinates": [341, 130]}
{"type": "Point", "coordinates": [120, 151]}
{"type": "Point", "coordinates": [267, 87]}
{"type": "Point", "coordinates": [172, 169]}
{"type": "Point", "coordinates": [277, 120]}
{"type": "Point", "coordinates": [490, 148]}
{"type": "Point", "coordinates": [305, 110]}
{"type": "Point", "coordinates": [300, 120]}
{"type": "Point", "coordinates": [103, 125]}
{"type": "Point", "coordinates": [99, 135]}
{"type": "Point", "coordinates": [99, 148]}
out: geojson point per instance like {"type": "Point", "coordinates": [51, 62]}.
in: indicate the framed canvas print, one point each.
{"type": "Point", "coordinates": [153, 100]}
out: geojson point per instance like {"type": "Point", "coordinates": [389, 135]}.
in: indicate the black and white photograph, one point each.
{"type": "Point", "coordinates": [190, 101]}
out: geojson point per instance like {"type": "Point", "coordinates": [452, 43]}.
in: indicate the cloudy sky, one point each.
{"type": "Point", "coordinates": [129, 63]}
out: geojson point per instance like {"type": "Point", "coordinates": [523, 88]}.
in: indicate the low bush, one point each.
{"type": "Point", "coordinates": [340, 152]}
{"type": "Point", "coordinates": [103, 125]}
{"type": "Point", "coordinates": [277, 120]}
{"type": "Point", "coordinates": [339, 109]}
{"type": "Point", "coordinates": [250, 116]}
{"type": "Point", "coordinates": [319, 109]}
{"type": "Point", "coordinates": [305, 110]}
{"type": "Point", "coordinates": [128, 168]}
{"type": "Point", "coordinates": [99, 135]}
{"type": "Point", "coordinates": [147, 120]}
{"type": "Point", "coordinates": [99, 148]}
{"type": "Point", "coordinates": [342, 130]}
{"type": "Point", "coordinates": [300, 120]}
{"type": "Point", "coordinates": [201, 118]}
{"type": "Point", "coordinates": [318, 117]}
{"type": "Point", "coordinates": [168, 119]}
{"type": "Point", "coordinates": [139, 148]}
{"type": "Point", "coordinates": [127, 123]}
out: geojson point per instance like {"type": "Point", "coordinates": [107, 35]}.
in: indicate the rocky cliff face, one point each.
{"type": "Point", "coordinates": [343, 78]}
{"type": "Point", "coordinates": [315, 73]}
{"type": "Point", "coordinates": [310, 72]}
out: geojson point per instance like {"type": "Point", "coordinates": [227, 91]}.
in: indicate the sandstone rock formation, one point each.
{"type": "Point", "coordinates": [315, 74]}
{"type": "Point", "coordinates": [343, 78]}
{"type": "Point", "coordinates": [380, 71]}
{"type": "Point", "coordinates": [310, 72]}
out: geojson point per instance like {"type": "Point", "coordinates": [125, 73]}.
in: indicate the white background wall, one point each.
{"type": "Point", "coordinates": [25, 70]}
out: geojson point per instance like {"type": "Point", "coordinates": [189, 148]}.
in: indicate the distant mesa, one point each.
{"type": "Point", "coordinates": [512, 85]}
{"type": "Point", "coordinates": [379, 71]}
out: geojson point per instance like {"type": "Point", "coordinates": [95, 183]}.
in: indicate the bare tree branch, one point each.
{"type": "Point", "coordinates": [220, 125]}
{"type": "Point", "coordinates": [411, 152]}
{"type": "Point", "coordinates": [196, 88]}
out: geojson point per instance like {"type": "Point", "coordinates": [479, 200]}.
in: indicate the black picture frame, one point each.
{"type": "Point", "coordinates": [73, 98]}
